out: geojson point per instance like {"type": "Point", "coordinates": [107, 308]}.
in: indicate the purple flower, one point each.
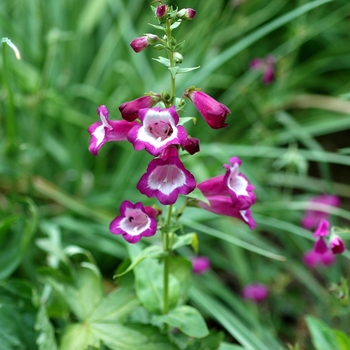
{"type": "Point", "coordinates": [166, 178]}
{"type": "Point", "coordinates": [160, 11]}
{"type": "Point", "coordinates": [158, 130]}
{"type": "Point", "coordinates": [256, 292]}
{"type": "Point", "coordinates": [107, 130]}
{"type": "Point", "coordinates": [213, 112]}
{"type": "Point", "coordinates": [313, 217]}
{"type": "Point", "coordinates": [200, 264]}
{"type": "Point", "coordinates": [134, 221]}
{"type": "Point", "coordinates": [130, 110]}
{"type": "Point", "coordinates": [186, 13]}
{"type": "Point", "coordinates": [191, 145]}
{"type": "Point", "coordinates": [230, 194]}
{"type": "Point", "coordinates": [267, 66]}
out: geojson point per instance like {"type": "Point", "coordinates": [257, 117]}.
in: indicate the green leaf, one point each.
{"type": "Point", "coordinates": [115, 307]}
{"type": "Point", "coordinates": [187, 239]}
{"type": "Point", "coordinates": [187, 319]}
{"type": "Point", "coordinates": [131, 337]}
{"type": "Point", "coordinates": [162, 60]}
{"type": "Point", "coordinates": [226, 346]}
{"type": "Point", "coordinates": [185, 70]}
{"type": "Point", "coordinates": [78, 337]}
{"type": "Point", "coordinates": [152, 252]}
{"type": "Point", "coordinates": [149, 286]}
{"type": "Point", "coordinates": [184, 120]}
{"type": "Point", "coordinates": [86, 293]}
{"type": "Point", "coordinates": [157, 27]}
{"type": "Point", "coordinates": [198, 195]}
{"type": "Point", "coordinates": [342, 339]}
{"type": "Point", "coordinates": [175, 24]}
{"type": "Point", "coordinates": [46, 338]}
{"type": "Point", "coordinates": [323, 337]}
{"type": "Point", "coordinates": [173, 71]}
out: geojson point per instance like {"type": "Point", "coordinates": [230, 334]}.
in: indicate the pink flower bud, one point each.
{"type": "Point", "coordinates": [130, 110]}
{"type": "Point", "coordinates": [140, 43]}
{"type": "Point", "coordinates": [337, 245]}
{"type": "Point", "coordinates": [191, 145]}
{"type": "Point", "coordinates": [213, 112]}
{"type": "Point", "coordinates": [186, 14]}
{"type": "Point", "coordinates": [161, 11]}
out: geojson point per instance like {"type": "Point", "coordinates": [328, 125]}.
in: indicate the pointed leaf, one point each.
{"type": "Point", "coordinates": [78, 337]}
{"type": "Point", "coordinates": [180, 241]}
{"type": "Point", "coordinates": [162, 60]}
{"type": "Point", "coordinates": [185, 70]}
{"type": "Point", "coordinates": [187, 319]}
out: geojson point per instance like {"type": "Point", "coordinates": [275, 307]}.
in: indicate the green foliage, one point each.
{"type": "Point", "coordinates": [57, 200]}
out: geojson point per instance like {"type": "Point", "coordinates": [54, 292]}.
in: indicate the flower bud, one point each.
{"type": "Point", "coordinates": [337, 245]}
{"type": "Point", "coordinates": [191, 145]}
{"type": "Point", "coordinates": [213, 112]}
{"type": "Point", "coordinates": [142, 42]}
{"type": "Point", "coordinates": [130, 110]}
{"type": "Point", "coordinates": [186, 14]}
{"type": "Point", "coordinates": [178, 58]}
{"type": "Point", "coordinates": [160, 11]}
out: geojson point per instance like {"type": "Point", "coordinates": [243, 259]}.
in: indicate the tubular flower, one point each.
{"type": "Point", "coordinates": [230, 194]}
{"type": "Point", "coordinates": [158, 130]}
{"type": "Point", "coordinates": [312, 217]}
{"type": "Point", "coordinates": [256, 292]}
{"type": "Point", "coordinates": [166, 178]}
{"type": "Point", "coordinates": [134, 222]}
{"type": "Point", "coordinates": [130, 110]}
{"type": "Point", "coordinates": [200, 264]}
{"type": "Point", "coordinates": [267, 66]}
{"type": "Point", "coordinates": [321, 253]}
{"type": "Point", "coordinates": [107, 130]}
{"type": "Point", "coordinates": [241, 190]}
{"type": "Point", "coordinates": [191, 145]}
{"type": "Point", "coordinates": [213, 112]}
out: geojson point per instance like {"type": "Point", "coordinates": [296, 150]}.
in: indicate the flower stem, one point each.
{"type": "Point", "coordinates": [171, 59]}
{"type": "Point", "coordinates": [167, 249]}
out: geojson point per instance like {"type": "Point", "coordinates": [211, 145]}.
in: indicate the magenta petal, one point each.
{"type": "Point", "coordinates": [322, 229]}
{"type": "Point", "coordinates": [320, 246]}
{"type": "Point", "coordinates": [256, 63]}
{"type": "Point", "coordinates": [327, 258]}
{"type": "Point", "coordinates": [133, 222]}
{"type": "Point", "coordinates": [130, 110]}
{"type": "Point", "coordinates": [214, 186]}
{"type": "Point", "coordinates": [166, 179]}
{"type": "Point", "coordinates": [311, 259]}
{"type": "Point", "coordinates": [139, 44]}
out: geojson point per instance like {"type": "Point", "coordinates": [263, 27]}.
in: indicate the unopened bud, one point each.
{"type": "Point", "coordinates": [178, 58]}
{"type": "Point", "coordinates": [186, 14]}
{"type": "Point", "coordinates": [161, 11]}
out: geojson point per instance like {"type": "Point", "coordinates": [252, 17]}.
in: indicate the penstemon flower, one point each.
{"type": "Point", "coordinates": [213, 112]}
{"type": "Point", "coordinates": [166, 178]}
{"type": "Point", "coordinates": [107, 130]}
{"type": "Point", "coordinates": [230, 194]}
{"type": "Point", "coordinates": [256, 292]}
{"type": "Point", "coordinates": [159, 130]}
{"type": "Point", "coordinates": [134, 222]}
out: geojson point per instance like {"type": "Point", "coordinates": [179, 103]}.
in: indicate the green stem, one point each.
{"type": "Point", "coordinates": [171, 59]}
{"type": "Point", "coordinates": [10, 120]}
{"type": "Point", "coordinates": [167, 249]}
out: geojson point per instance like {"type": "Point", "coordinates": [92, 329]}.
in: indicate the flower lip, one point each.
{"type": "Point", "coordinates": [159, 130]}
{"type": "Point", "coordinates": [134, 222]}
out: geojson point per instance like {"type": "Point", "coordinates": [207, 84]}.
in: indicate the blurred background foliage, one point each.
{"type": "Point", "coordinates": [292, 135]}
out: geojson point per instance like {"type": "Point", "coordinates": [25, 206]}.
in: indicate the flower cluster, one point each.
{"type": "Point", "coordinates": [152, 123]}
{"type": "Point", "coordinates": [321, 254]}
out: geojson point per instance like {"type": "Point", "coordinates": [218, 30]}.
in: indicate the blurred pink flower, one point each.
{"type": "Point", "coordinates": [200, 264]}
{"type": "Point", "coordinates": [256, 292]}
{"type": "Point", "coordinates": [267, 66]}
{"type": "Point", "coordinates": [312, 218]}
